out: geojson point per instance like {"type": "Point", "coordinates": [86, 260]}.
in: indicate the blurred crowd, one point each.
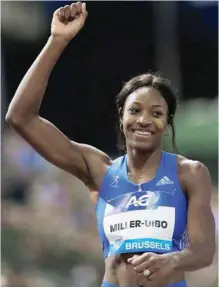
{"type": "Point", "coordinates": [48, 223]}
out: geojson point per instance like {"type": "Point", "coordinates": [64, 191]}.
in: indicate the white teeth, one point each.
{"type": "Point", "coordinates": [142, 133]}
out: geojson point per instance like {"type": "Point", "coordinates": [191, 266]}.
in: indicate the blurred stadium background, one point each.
{"type": "Point", "coordinates": [49, 235]}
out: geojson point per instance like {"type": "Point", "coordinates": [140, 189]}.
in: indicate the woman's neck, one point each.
{"type": "Point", "coordinates": [139, 161]}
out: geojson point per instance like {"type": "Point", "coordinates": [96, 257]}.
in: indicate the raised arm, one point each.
{"type": "Point", "coordinates": [23, 112]}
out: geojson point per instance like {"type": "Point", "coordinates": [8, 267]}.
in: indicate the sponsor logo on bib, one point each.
{"type": "Point", "coordinates": [148, 199]}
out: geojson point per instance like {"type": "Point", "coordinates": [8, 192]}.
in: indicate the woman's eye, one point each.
{"type": "Point", "coordinates": [133, 110]}
{"type": "Point", "coordinates": [157, 114]}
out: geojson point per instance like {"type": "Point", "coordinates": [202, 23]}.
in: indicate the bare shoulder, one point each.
{"type": "Point", "coordinates": [189, 166]}
{"type": "Point", "coordinates": [192, 174]}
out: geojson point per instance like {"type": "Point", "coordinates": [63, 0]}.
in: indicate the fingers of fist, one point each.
{"type": "Point", "coordinates": [147, 265]}
{"type": "Point", "coordinates": [71, 12]}
{"type": "Point", "coordinates": [146, 262]}
{"type": "Point", "coordinates": [145, 257]}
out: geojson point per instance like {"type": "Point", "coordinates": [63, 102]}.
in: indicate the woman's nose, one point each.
{"type": "Point", "coordinates": [144, 119]}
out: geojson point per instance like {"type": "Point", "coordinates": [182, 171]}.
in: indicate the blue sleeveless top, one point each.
{"type": "Point", "coordinates": [147, 217]}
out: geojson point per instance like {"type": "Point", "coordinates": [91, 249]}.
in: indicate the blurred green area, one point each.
{"type": "Point", "coordinates": [196, 126]}
{"type": "Point", "coordinates": [55, 265]}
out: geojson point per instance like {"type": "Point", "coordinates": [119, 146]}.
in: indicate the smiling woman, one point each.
{"type": "Point", "coordinates": [161, 105]}
{"type": "Point", "coordinates": [152, 207]}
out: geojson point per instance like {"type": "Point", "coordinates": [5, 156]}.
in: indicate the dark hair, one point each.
{"type": "Point", "coordinates": [159, 83]}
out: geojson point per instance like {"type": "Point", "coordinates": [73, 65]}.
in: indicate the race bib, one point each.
{"type": "Point", "coordinates": [137, 224]}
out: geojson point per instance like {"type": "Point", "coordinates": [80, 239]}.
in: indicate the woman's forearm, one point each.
{"type": "Point", "coordinates": [192, 259]}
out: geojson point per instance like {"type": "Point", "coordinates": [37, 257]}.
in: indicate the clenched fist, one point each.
{"type": "Point", "coordinates": [67, 21]}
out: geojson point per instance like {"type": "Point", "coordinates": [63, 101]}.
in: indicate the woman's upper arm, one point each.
{"type": "Point", "coordinates": [55, 147]}
{"type": "Point", "coordinates": [198, 186]}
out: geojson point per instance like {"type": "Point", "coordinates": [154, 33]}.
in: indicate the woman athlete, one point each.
{"type": "Point", "coordinates": [153, 207]}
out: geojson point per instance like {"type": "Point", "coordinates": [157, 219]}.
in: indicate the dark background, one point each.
{"type": "Point", "coordinates": [117, 43]}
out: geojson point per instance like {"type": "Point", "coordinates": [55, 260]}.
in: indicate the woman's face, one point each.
{"type": "Point", "coordinates": [144, 119]}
